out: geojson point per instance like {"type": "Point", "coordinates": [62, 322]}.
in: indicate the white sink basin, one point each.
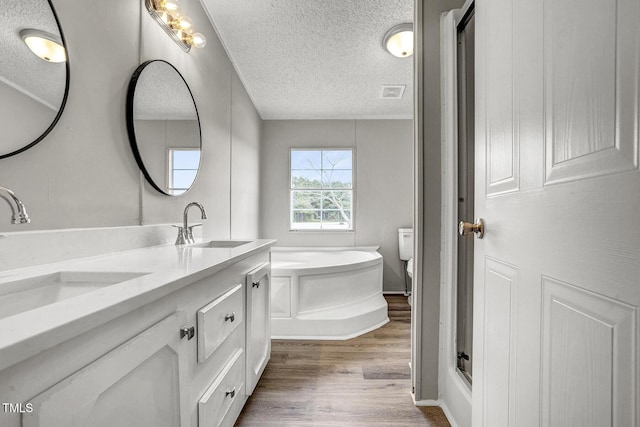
{"type": "Point", "coordinates": [26, 294]}
{"type": "Point", "coordinates": [220, 244]}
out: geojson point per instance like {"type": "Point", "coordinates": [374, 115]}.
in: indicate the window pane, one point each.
{"type": "Point", "coordinates": [340, 200]}
{"type": "Point", "coordinates": [336, 219]}
{"type": "Point", "coordinates": [337, 159]}
{"type": "Point", "coordinates": [308, 219]}
{"type": "Point", "coordinates": [305, 179]}
{"type": "Point", "coordinates": [306, 199]}
{"type": "Point", "coordinates": [337, 179]}
{"type": "Point", "coordinates": [335, 216]}
{"type": "Point", "coordinates": [306, 159]}
{"type": "Point", "coordinates": [183, 178]}
{"type": "Point", "coordinates": [321, 189]}
{"type": "Point", "coordinates": [186, 159]}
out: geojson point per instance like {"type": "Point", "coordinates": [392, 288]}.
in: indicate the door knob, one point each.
{"type": "Point", "coordinates": [464, 228]}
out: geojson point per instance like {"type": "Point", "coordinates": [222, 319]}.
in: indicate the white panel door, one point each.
{"type": "Point", "coordinates": [557, 274]}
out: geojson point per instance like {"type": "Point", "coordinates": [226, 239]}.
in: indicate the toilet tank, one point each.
{"type": "Point", "coordinates": [405, 243]}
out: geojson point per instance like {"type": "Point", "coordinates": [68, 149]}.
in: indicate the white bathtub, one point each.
{"type": "Point", "coordinates": [326, 293]}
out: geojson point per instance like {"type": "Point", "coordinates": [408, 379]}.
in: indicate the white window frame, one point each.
{"type": "Point", "coordinates": [352, 227]}
{"type": "Point", "coordinates": [170, 169]}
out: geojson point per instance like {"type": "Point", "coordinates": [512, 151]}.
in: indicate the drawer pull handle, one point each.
{"type": "Point", "coordinates": [188, 332]}
{"type": "Point", "coordinates": [231, 393]}
{"type": "Point", "coordinates": [231, 317]}
{"type": "Point", "coordinates": [256, 284]}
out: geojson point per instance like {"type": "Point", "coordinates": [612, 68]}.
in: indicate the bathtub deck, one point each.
{"type": "Point", "coordinates": [364, 381]}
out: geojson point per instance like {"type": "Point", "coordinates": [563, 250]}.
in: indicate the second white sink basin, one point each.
{"type": "Point", "coordinates": [220, 244]}
{"type": "Point", "coordinates": [27, 294]}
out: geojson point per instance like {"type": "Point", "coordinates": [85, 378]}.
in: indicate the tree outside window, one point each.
{"type": "Point", "coordinates": [321, 189]}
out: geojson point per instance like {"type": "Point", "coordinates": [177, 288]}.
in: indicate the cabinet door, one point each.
{"type": "Point", "coordinates": [138, 384]}
{"type": "Point", "coordinates": [258, 323]}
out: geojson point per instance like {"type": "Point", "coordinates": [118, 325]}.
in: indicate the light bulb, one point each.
{"type": "Point", "coordinates": [399, 40]}
{"type": "Point", "coordinates": [172, 7]}
{"type": "Point", "coordinates": [185, 23]}
{"type": "Point", "coordinates": [46, 46]}
{"type": "Point", "coordinates": [198, 40]}
{"type": "Point", "coordinates": [401, 44]}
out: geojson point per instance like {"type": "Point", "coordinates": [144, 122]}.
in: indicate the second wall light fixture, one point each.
{"type": "Point", "coordinates": [178, 26]}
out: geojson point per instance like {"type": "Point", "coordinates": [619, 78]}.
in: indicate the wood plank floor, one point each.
{"type": "Point", "coordinates": [364, 381]}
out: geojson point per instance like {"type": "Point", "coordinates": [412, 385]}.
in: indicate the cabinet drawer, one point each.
{"type": "Point", "coordinates": [225, 389]}
{"type": "Point", "coordinates": [217, 320]}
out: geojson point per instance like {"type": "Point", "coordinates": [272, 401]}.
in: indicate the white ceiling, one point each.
{"type": "Point", "coordinates": [316, 59]}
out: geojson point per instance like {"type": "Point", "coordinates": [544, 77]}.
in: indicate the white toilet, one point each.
{"type": "Point", "coordinates": [405, 248]}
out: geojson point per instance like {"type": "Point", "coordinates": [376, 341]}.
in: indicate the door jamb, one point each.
{"type": "Point", "coordinates": [454, 391]}
{"type": "Point", "coordinates": [418, 215]}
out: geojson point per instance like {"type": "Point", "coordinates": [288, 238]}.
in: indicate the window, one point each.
{"type": "Point", "coordinates": [183, 168]}
{"type": "Point", "coordinates": [321, 189]}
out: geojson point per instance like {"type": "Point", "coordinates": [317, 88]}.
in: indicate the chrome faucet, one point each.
{"type": "Point", "coordinates": [18, 211]}
{"type": "Point", "coordinates": [185, 233]}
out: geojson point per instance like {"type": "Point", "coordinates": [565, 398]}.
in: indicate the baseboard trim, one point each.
{"type": "Point", "coordinates": [439, 403]}
{"type": "Point", "coordinates": [448, 414]}
{"type": "Point", "coordinates": [428, 402]}
{"type": "Point", "coordinates": [393, 292]}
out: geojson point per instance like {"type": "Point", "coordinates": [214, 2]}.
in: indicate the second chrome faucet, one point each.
{"type": "Point", "coordinates": [18, 211]}
{"type": "Point", "coordinates": [185, 233]}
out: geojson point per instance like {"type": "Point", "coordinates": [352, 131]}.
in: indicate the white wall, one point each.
{"type": "Point", "coordinates": [384, 179]}
{"type": "Point", "coordinates": [16, 104]}
{"type": "Point", "coordinates": [84, 174]}
{"type": "Point", "coordinates": [245, 164]}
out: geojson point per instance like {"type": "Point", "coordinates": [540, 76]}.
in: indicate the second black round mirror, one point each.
{"type": "Point", "coordinates": [164, 127]}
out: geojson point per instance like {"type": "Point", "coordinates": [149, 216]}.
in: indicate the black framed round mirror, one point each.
{"type": "Point", "coordinates": [34, 73]}
{"type": "Point", "coordinates": [164, 127]}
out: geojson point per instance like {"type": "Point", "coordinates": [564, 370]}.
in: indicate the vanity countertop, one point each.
{"type": "Point", "coordinates": [164, 269]}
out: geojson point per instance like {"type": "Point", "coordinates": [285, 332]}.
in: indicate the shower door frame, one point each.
{"type": "Point", "coordinates": [454, 388]}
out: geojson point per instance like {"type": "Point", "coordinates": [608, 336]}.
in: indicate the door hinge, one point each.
{"type": "Point", "coordinates": [462, 356]}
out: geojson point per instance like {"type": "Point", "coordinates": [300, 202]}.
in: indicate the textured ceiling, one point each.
{"type": "Point", "coordinates": [161, 94]}
{"type": "Point", "coordinates": [19, 67]}
{"type": "Point", "coordinates": [310, 59]}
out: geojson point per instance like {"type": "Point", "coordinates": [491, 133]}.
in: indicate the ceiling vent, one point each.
{"type": "Point", "coordinates": [392, 91]}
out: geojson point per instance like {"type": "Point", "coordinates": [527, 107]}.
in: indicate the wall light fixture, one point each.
{"type": "Point", "coordinates": [399, 40]}
{"type": "Point", "coordinates": [45, 45]}
{"type": "Point", "coordinates": [178, 26]}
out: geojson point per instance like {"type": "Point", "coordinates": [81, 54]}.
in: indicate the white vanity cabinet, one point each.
{"type": "Point", "coordinates": [140, 383]}
{"type": "Point", "coordinates": [258, 349]}
{"type": "Point", "coordinates": [189, 358]}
